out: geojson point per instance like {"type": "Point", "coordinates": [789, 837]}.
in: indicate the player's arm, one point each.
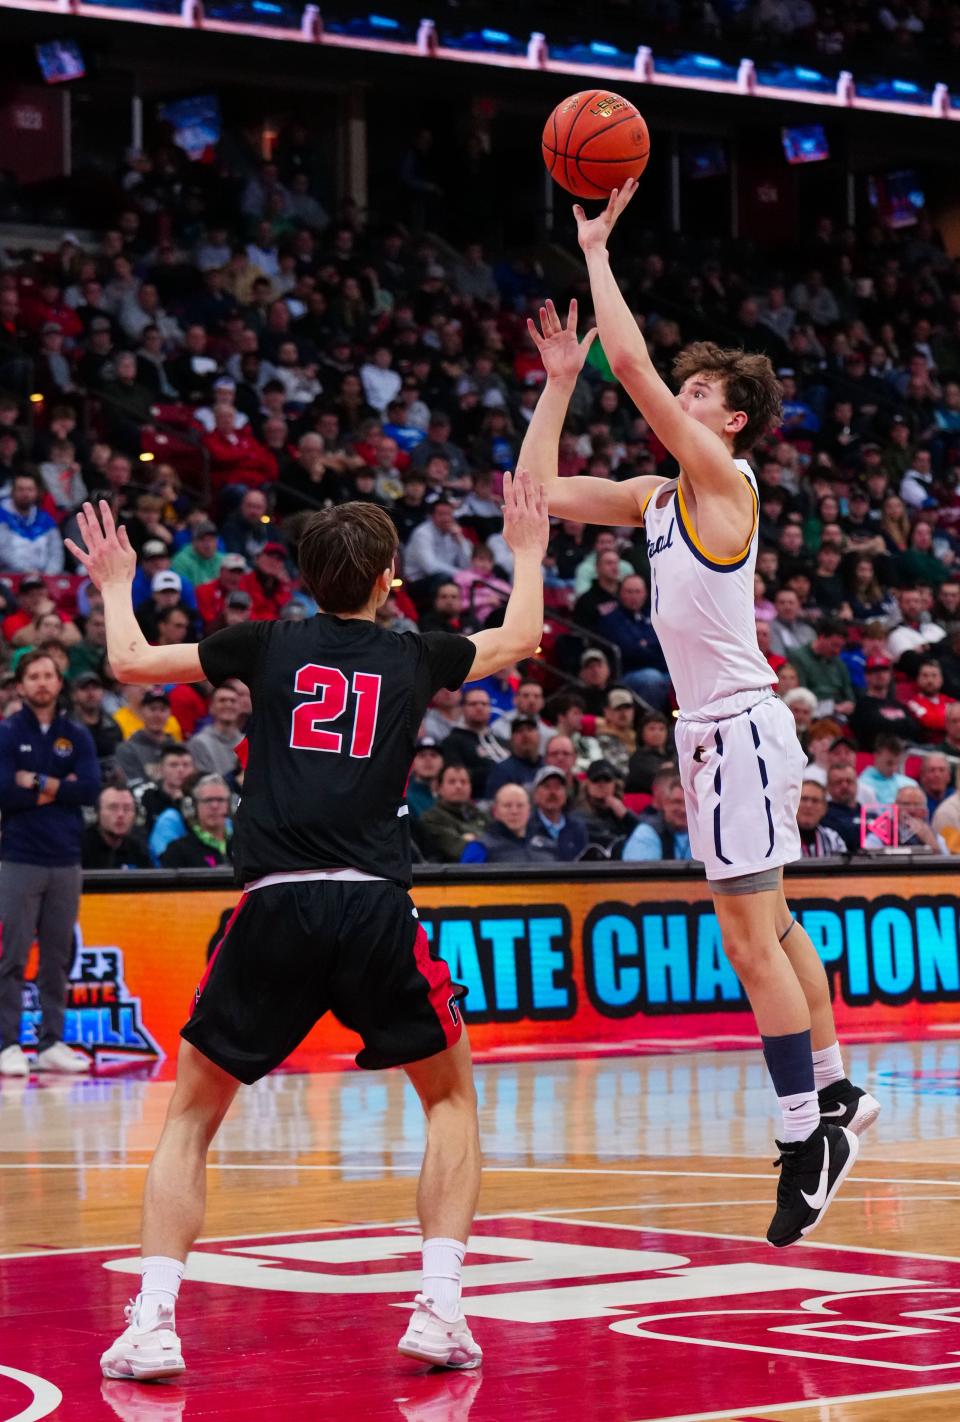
{"type": "Point", "coordinates": [701, 454]}
{"type": "Point", "coordinates": [112, 564]}
{"type": "Point", "coordinates": [582, 498]}
{"type": "Point", "coordinates": [526, 527]}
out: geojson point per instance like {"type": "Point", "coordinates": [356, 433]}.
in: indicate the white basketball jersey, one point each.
{"type": "Point", "coordinates": [701, 606]}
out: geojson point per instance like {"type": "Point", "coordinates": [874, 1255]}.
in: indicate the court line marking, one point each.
{"type": "Point", "coordinates": [46, 1395]}
{"type": "Point", "coordinates": [811, 1404]}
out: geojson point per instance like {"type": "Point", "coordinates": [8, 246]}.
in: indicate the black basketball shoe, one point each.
{"type": "Point", "coordinates": [811, 1173]}
{"type": "Point", "coordinates": [843, 1104]}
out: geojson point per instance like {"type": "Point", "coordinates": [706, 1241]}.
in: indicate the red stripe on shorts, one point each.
{"type": "Point", "coordinates": [441, 993]}
{"type": "Point", "coordinates": [213, 956]}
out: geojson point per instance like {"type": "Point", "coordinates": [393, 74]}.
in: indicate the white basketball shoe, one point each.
{"type": "Point", "coordinates": [444, 1342]}
{"type": "Point", "coordinates": [144, 1354]}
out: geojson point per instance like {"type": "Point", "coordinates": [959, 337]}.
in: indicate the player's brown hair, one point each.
{"type": "Point", "coordinates": [749, 384]}
{"type": "Point", "coordinates": [342, 552]}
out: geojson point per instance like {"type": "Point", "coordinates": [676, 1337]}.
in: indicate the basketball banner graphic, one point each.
{"type": "Point", "coordinates": [551, 966]}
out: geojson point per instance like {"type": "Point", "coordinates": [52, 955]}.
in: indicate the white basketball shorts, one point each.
{"type": "Point", "coordinates": [741, 766]}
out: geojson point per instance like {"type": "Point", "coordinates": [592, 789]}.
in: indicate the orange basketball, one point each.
{"type": "Point", "coordinates": [593, 142]}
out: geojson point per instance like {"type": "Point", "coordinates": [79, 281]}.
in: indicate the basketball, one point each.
{"type": "Point", "coordinates": [593, 142]}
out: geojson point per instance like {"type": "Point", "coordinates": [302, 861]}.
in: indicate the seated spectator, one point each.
{"type": "Point", "coordinates": [32, 600]}
{"type": "Point", "coordinates": [236, 456]}
{"type": "Point", "coordinates": [816, 839]}
{"type": "Point", "coordinates": [62, 478]}
{"type": "Point", "coordinates": [879, 783]}
{"type": "Point", "coordinates": [588, 570]}
{"type": "Point", "coordinates": [436, 547]}
{"type": "Point", "coordinates": [443, 714]}
{"type": "Point", "coordinates": [214, 749]}
{"type": "Point", "coordinates": [473, 743]}
{"type": "Point", "coordinates": [528, 701]}
{"type": "Point", "coordinates": [208, 841]}
{"type": "Point", "coordinates": [788, 631]}
{"type": "Point", "coordinates": [30, 541]}
{"type": "Point", "coordinates": [842, 813]}
{"type": "Point", "coordinates": [111, 843]}
{"type": "Point", "coordinates": [454, 820]}
{"type": "Point", "coordinates": [212, 596]}
{"type": "Point", "coordinates": [913, 634]}
{"type": "Point", "coordinates": [566, 714]}
{"type": "Point", "coordinates": [821, 736]}
{"type": "Point", "coordinates": [87, 693]}
{"type": "Point", "coordinates": [671, 841]}
{"type": "Point", "coordinates": [927, 703]}
{"type": "Point", "coordinates": [424, 777]}
{"type": "Point", "coordinates": [480, 590]}
{"type": "Point", "coordinates": [268, 583]}
{"type": "Point", "coordinates": [936, 780]}
{"type": "Point", "coordinates": [561, 755]}
{"type": "Point", "coordinates": [567, 831]}
{"type": "Point", "coordinates": [601, 597]}
{"type": "Point", "coordinates": [600, 805]}
{"type": "Point", "coordinates": [630, 629]}
{"type": "Point", "coordinates": [410, 511]}
{"type": "Point", "coordinates": [139, 755]}
{"type": "Point", "coordinates": [166, 594]}
{"type": "Point", "coordinates": [248, 528]}
{"type": "Point", "coordinates": [199, 561]}
{"type": "Point", "coordinates": [443, 614]}
{"type": "Point", "coordinates": [167, 791]}
{"type": "Point", "coordinates": [594, 681]}
{"type": "Point", "coordinates": [914, 830]}
{"type": "Point", "coordinates": [950, 745]}
{"type": "Point", "coordinates": [524, 760]}
{"type": "Point", "coordinates": [509, 839]}
{"type": "Point", "coordinates": [128, 718]}
{"type": "Point", "coordinates": [822, 670]}
{"type": "Point", "coordinates": [615, 731]}
{"type": "Point", "coordinates": [653, 752]}
{"type": "Point", "coordinates": [878, 712]}
{"type": "Point", "coordinates": [89, 654]}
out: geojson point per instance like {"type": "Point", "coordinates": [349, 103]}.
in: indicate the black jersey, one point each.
{"type": "Point", "coordinates": [337, 703]}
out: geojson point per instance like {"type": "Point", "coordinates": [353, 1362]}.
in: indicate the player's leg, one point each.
{"type": "Point", "coordinates": [814, 1158]}
{"type": "Point", "coordinates": [173, 1207]}
{"type": "Point", "coordinates": [840, 1101]}
{"type": "Point", "coordinates": [446, 1202]}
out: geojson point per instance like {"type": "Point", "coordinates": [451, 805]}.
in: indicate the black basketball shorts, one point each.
{"type": "Point", "coordinates": [292, 952]}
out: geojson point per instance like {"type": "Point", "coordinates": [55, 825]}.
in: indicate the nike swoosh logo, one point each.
{"type": "Point", "coordinates": [835, 1111]}
{"type": "Point", "coordinates": [819, 1199]}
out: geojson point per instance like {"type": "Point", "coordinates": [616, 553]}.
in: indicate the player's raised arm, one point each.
{"type": "Point", "coordinates": [526, 527]}
{"type": "Point", "coordinates": [111, 564]}
{"type": "Point", "coordinates": [580, 497]}
{"type": "Point", "coordinates": [701, 454]}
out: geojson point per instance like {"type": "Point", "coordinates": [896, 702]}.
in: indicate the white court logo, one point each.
{"type": "Point", "coordinates": [45, 1397]}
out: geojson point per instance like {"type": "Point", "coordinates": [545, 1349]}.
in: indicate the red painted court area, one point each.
{"type": "Point", "coordinates": [576, 1320]}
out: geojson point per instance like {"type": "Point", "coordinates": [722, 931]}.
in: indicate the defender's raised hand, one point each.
{"type": "Point", "coordinates": [592, 232]}
{"type": "Point", "coordinates": [563, 355]}
{"type": "Point", "coordinates": [526, 523]}
{"type": "Point", "coordinates": [107, 555]}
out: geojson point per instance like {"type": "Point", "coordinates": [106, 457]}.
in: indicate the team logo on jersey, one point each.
{"type": "Point", "coordinates": [62, 746]}
{"type": "Point", "coordinates": [699, 754]}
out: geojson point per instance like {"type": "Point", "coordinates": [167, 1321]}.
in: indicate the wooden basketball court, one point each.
{"type": "Point", "coordinates": [618, 1270]}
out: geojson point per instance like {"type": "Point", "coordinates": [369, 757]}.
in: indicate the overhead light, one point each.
{"type": "Point", "coordinates": [36, 398]}
{"type": "Point", "coordinates": [146, 457]}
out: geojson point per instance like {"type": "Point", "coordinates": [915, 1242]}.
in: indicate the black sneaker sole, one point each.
{"type": "Point", "coordinates": [854, 1148]}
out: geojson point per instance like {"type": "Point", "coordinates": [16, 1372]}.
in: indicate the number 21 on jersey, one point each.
{"type": "Point", "coordinates": [334, 690]}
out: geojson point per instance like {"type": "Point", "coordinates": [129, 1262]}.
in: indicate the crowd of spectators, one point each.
{"type": "Point", "coordinates": [216, 383]}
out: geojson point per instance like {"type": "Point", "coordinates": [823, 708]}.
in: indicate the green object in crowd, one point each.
{"type": "Point", "coordinates": [597, 357]}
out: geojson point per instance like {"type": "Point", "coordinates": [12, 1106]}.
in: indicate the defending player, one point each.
{"type": "Point", "coordinates": [325, 922]}
{"type": "Point", "coordinates": [740, 761]}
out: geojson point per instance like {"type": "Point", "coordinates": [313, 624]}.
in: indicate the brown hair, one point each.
{"type": "Point", "coordinates": [30, 658]}
{"type": "Point", "coordinates": [342, 552]}
{"type": "Point", "coordinates": [748, 381]}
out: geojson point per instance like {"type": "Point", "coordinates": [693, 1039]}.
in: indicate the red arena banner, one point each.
{"type": "Point", "coordinates": [554, 965]}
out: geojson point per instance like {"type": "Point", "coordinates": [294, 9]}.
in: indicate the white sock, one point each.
{"type": "Point", "coordinates": [801, 1115]}
{"type": "Point", "coordinates": [828, 1066]}
{"type": "Point", "coordinates": [442, 1263]}
{"type": "Point", "coordinates": [159, 1287]}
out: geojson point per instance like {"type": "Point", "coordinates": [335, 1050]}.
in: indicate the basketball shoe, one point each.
{"type": "Point", "coordinates": [843, 1104]}
{"type": "Point", "coordinates": [147, 1354]}
{"type": "Point", "coordinates": [444, 1342]}
{"type": "Point", "coordinates": [811, 1173]}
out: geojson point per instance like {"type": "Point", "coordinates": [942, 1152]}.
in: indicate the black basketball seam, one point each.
{"type": "Point", "coordinates": [627, 118]}
{"type": "Point", "coordinates": [576, 120]}
{"type": "Point", "coordinates": [588, 159]}
{"type": "Point", "coordinates": [584, 179]}
{"type": "Point", "coordinates": [556, 150]}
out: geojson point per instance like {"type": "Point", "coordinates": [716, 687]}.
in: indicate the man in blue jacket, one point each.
{"type": "Point", "coordinates": [48, 769]}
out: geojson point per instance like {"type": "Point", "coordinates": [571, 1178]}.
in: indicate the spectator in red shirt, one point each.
{"type": "Point", "coordinates": [32, 599]}
{"type": "Point", "coordinates": [212, 596]}
{"type": "Point", "coordinates": [236, 457]}
{"type": "Point", "coordinates": [268, 584]}
{"type": "Point", "coordinates": [927, 703]}
{"type": "Point", "coordinates": [763, 641]}
{"type": "Point", "coordinates": [44, 303]}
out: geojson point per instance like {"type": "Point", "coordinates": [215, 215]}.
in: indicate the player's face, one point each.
{"type": "Point", "coordinates": [703, 400]}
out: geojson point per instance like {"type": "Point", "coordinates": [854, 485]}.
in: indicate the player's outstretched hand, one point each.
{"type": "Point", "coordinates": [106, 555]}
{"type": "Point", "coordinates": [526, 523]}
{"type": "Point", "coordinates": [562, 353]}
{"type": "Point", "coordinates": [592, 232]}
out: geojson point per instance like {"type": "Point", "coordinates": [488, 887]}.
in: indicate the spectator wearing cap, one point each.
{"type": "Point", "coordinates": [214, 748]}
{"type": "Point", "coordinates": [567, 830]}
{"type": "Point", "coordinates": [822, 670]}
{"type": "Point", "coordinates": [53, 374]}
{"type": "Point", "coordinates": [628, 627]}
{"type": "Point", "coordinates": [438, 442]}
{"type": "Point", "coordinates": [788, 631]}
{"type": "Point", "coordinates": [616, 731]}
{"type": "Point", "coordinates": [238, 607]}
{"type": "Point", "coordinates": [878, 711]}
{"type": "Point", "coordinates": [112, 843]}
{"type": "Point", "coordinates": [817, 839]}
{"type": "Point", "coordinates": [879, 782]}
{"type": "Point", "coordinates": [32, 600]}
{"type": "Point", "coordinates": [268, 582]}
{"type": "Point", "coordinates": [224, 397]}
{"type": "Point", "coordinates": [424, 776]}
{"type": "Point", "coordinates": [474, 743]}
{"type": "Point", "coordinates": [30, 541]}
{"type": "Point", "coordinates": [139, 755]}
{"type": "Point", "coordinates": [926, 701]}
{"type": "Point", "coordinates": [527, 701]}
{"type": "Point", "coordinates": [454, 820]}
{"type": "Point", "coordinates": [511, 838]}
{"type": "Point", "coordinates": [199, 561]}
{"type": "Point", "coordinates": [87, 695]}
{"type": "Point", "coordinates": [666, 841]}
{"type": "Point", "coordinates": [524, 760]}
{"type": "Point", "coordinates": [166, 591]}
{"type": "Point", "coordinates": [594, 682]}
{"type": "Point", "coordinates": [437, 547]}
